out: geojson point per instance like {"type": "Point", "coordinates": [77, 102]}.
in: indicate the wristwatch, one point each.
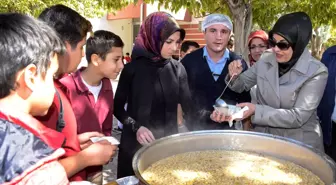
{"type": "Point", "coordinates": [135, 127]}
{"type": "Point", "coordinates": [133, 124]}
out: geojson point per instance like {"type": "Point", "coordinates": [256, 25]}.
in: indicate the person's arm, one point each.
{"type": "Point", "coordinates": [108, 124]}
{"type": "Point", "coordinates": [244, 96]}
{"type": "Point", "coordinates": [122, 94]}
{"type": "Point", "coordinates": [245, 81]}
{"type": "Point", "coordinates": [185, 98]}
{"type": "Point", "coordinates": [308, 98]}
{"type": "Point", "coordinates": [144, 135]}
{"type": "Point", "coordinates": [96, 154]}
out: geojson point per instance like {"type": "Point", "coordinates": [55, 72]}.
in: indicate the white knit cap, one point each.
{"type": "Point", "coordinates": [213, 19]}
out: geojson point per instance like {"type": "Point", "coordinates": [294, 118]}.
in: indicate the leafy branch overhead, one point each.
{"type": "Point", "coordinates": [322, 12]}
{"type": "Point", "coordinates": [88, 8]}
{"type": "Point", "coordinates": [244, 13]}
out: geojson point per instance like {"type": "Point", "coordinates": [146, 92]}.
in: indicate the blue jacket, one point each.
{"type": "Point", "coordinates": [326, 107]}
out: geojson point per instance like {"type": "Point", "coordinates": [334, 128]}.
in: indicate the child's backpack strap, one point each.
{"type": "Point", "coordinates": [60, 121]}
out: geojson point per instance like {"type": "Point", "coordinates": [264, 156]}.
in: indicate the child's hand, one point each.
{"type": "Point", "coordinates": [84, 138]}
{"type": "Point", "coordinates": [100, 153]}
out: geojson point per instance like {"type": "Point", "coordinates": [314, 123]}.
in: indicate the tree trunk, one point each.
{"type": "Point", "coordinates": [314, 43]}
{"type": "Point", "coordinates": [242, 24]}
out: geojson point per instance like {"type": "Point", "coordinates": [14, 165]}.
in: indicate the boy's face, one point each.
{"type": "Point", "coordinates": [217, 37]}
{"type": "Point", "coordinates": [191, 49]}
{"type": "Point", "coordinates": [73, 57]}
{"type": "Point", "coordinates": [43, 90]}
{"type": "Point", "coordinates": [113, 64]}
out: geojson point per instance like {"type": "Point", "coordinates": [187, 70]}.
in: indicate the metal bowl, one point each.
{"type": "Point", "coordinates": [283, 148]}
{"type": "Point", "coordinates": [129, 180]}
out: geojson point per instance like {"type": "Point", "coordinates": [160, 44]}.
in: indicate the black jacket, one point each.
{"type": "Point", "coordinates": [152, 91]}
{"type": "Point", "coordinates": [205, 90]}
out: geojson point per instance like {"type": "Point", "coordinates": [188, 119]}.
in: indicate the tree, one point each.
{"type": "Point", "coordinates": [244, 13]}
{"type": "Point", "coordinates": [88, 8]}
{"type": "Point", "coordinates": [261, 12]}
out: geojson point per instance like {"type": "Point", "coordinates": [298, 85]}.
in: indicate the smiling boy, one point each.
{"type": "Point", "coordinates": [90, 90]}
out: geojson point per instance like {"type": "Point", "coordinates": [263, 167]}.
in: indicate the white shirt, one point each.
{"type": "Point", "coordinates": [95, 90]}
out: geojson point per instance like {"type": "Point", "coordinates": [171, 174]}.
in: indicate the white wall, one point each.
{"type": "Point", "coordinates": [150, 8]}
{"type": "Point", "coordinates": [123, 28]}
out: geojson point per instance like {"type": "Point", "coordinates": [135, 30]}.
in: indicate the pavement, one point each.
{"type": "Point", "coordinates": [110, 170]}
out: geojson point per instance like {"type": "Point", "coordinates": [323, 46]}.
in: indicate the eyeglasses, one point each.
{"type": "Point", "coordinates": [258, 46]}
{"type": "Point", "coordinates": [282, 45]}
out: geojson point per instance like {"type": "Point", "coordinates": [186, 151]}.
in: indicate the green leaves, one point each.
{"type": "Point", "coordinates": [88, 8]}
{"type": "Point", "coordinates": [322, 12]}
{"type": "Point", "coordinates": [265, 12]}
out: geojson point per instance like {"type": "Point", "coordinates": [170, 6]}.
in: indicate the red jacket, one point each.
{"type": "Point", "coordinates": [90, 115]}
{"type": "Point", "coordinates": [71, 145]}
{"type": "Point", "coordinates": [128, 59]}
{"type": "Point", "coordinates": [26, 139]}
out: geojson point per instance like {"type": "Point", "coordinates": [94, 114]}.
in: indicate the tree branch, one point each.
{"type": "Point", "coordinates": [209, 13]}
{"type": "Point", "coordinates": [234, 4]}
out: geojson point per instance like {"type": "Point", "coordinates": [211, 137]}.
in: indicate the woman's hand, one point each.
{"type": "Point", "coordinates": [218, 117]}
{"type": "Point", "coordinates": [144, 136]}
{"type": "Point", "coordinates": [249, 112]}
{"type": "Point", "coordinates": [235, 68]}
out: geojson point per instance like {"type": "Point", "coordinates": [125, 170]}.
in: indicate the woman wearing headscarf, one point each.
{"type": "Point", "coordinates": [152, 84]}
{"type": "Point", "coordinates": [290, 83]}
{"type": "Point", "coordinates": [257, 44]}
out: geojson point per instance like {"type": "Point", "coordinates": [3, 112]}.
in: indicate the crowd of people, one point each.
{"type": "Point", "coordinates": [49, 109]}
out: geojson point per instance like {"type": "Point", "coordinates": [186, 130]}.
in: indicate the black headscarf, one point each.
{"type": "Point", "coordinates": [296, 28]}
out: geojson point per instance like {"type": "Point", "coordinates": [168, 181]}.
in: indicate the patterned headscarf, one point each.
{"type": "Point", "coordinates": [153, 33]}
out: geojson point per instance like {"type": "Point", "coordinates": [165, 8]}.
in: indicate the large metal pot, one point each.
{"type": "Point", "coordinates": [287, 149]}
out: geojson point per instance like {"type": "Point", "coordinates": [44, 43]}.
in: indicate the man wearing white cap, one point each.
{"type": "Point", "coordinates": [207, 68]}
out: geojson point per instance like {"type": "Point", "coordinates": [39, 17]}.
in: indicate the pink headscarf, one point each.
{"type": "Point", "coordinates": [257, 34]}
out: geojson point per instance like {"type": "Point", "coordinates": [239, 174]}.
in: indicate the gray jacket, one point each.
{"type": "Point", "coordinates": [286, 106]}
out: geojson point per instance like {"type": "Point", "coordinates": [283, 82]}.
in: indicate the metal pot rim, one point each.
{"type": "Point", "coordinates": [214, 132]}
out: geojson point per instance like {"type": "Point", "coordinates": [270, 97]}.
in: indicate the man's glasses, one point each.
{"type": "Point", "coordinates": [282, 45]}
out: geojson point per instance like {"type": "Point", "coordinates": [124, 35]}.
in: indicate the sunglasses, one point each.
{"type": "Point", "coordinates": [282, 45]}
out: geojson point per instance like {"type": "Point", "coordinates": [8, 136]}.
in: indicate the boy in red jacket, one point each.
{"type": "Point", "coordinates": [29, 151]}
{"type": "Point", "coordinates": [72, 28]}
{"type": "Point", "coordinates": [90, 91]}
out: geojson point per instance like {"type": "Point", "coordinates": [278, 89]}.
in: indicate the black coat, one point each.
{"type": "Point", "coordinates": [152, 91]}
{"type": "Point", "coordinates": [205, 90]}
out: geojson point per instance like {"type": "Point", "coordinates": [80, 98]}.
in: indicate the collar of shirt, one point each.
{"type": "Point", "coordinates": [82, 87]}
{"type": "Point", "coordinates": [216, 67]}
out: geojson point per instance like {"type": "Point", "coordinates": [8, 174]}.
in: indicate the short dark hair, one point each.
{"type": "Point", "coordinates": [231, 41]}
{"type": "Point", "coordinates": [186, 44]}
{"type": "Point", "coordinates": [70, 25]}
{"type": "Point", "coordinates": [24, 41]}
{"type": "Point", "coordinates": [127, 54]}
{"type": "Point", "coordinates": [101, 44]}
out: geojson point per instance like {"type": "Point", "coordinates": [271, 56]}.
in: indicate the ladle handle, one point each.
{"type": "Point", "coordinates": [226, 86]}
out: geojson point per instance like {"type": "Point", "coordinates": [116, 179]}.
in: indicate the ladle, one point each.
{"type": "Point", "coordinates": [220, 102]}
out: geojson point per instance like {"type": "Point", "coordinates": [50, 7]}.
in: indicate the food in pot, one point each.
{"type": "Point", "coordinates": [221, 167]}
